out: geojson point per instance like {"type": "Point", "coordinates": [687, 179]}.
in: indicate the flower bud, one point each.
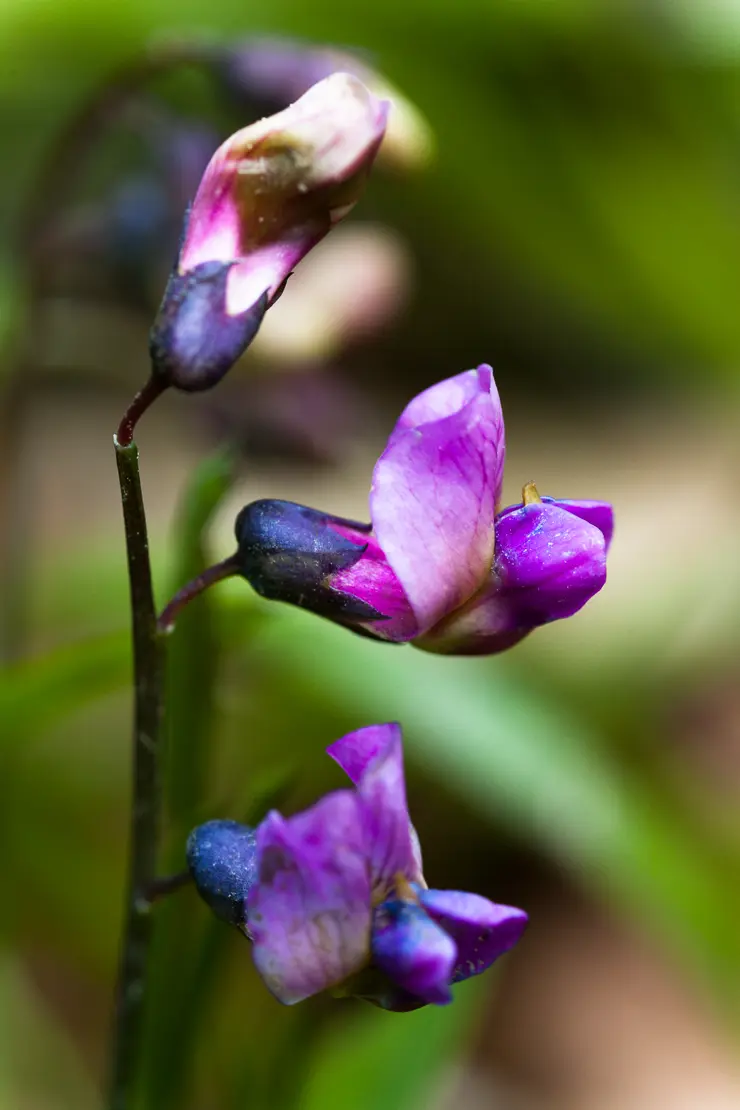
{"type": "Point", "coordinates": [289, 552]}
{"type": "Point", "coordinates": [221, 858]}
{"type": "Point", "coordinates": [269, 194]}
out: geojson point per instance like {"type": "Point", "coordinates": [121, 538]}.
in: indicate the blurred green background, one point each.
{"type": "Point", "coordinates": [580, 229]}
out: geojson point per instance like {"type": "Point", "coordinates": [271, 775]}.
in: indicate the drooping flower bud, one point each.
{"type": "Point", "coordinates": [269, 194]}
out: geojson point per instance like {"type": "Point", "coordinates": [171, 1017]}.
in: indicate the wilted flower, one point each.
{"type": "Point", "coordinates": [268, 195]}
{"type": "Point", "coordinates": [439, 564]}
{"type": "Point", "coordinates": [263, 73]}
{"type": "Point", "coordinates": [334, 898]}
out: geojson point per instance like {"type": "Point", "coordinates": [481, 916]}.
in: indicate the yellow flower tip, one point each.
{"type": "Point", "coordinates": [403, 889]}
{"type": "Point", "coordinates": [530, 496]}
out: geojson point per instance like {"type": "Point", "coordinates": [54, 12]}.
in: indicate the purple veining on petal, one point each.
{"type": "Point", "coordinates": [482, 930]}
{"type": "Point", "coordinates": [309, 911]}
{"type": "Point", "coordinates": [413, 951]}
{"type": "Point", "coordinates": [434, 495]}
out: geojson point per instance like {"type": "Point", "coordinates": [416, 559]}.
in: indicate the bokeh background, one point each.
{"type": "Point", "coordinates": [578, 227]}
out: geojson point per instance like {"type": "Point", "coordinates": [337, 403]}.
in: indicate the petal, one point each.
{"type": "Point", "coordinates": [413, 951]}
{"type": "Point", "coordinates": [447, 397]}
{"type": "Point", "coordinates": [598, 513]}
{"type": "Point", "coordinates": [482, 930]}
{"type": "Point", "coordinates": [273, 189]}
{"type": "Point", "coordinates": [309, 911]}
{"type": "Point", "coordinates": [356, 751]}
{"type": "Point", "coordinates": [434, 494]}
{"type": "Point", "coordinates": [264, 73]}
{"type": "Point", "coordinates": [372, 581]}
{"type": "Point", "coordinates": [222, 858]}
{"type": "Point", "coordinates": [549, 561]}
{"type": "Point", "coordinates": [381, 790]}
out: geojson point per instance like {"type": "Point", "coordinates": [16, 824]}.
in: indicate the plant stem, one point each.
{"type": "Point", "coordinates": [148, 654]}
{"type": "Point", "coordinates": [141, 402]}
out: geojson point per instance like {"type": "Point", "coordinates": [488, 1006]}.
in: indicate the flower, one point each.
{"type": "Point", "coordinates": [440, 564]}
{"type": "Point", "coordinates": [269, 194]}
{"type": "Point", "coordinates": [334, 898]}
{"type": "Point", "coordinates": [265, 72]}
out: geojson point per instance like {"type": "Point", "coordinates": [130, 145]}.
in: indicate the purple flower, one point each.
{"type": "Point", "coordinates": [268, 195]}
{"type": "Point", "coordinates": [440, 564]}
{"type": "Point", "coordinates": [334, 898]}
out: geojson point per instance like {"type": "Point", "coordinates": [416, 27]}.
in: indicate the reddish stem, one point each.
{"type": "Point", "coordinates": [141, 402]}
{"type": "Point", "coordinates": [168, 616]}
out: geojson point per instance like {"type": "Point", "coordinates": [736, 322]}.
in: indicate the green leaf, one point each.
{"type": "Point", "coordinates": [374, 1060]}
{"type": "Point", "coordinates": [37, 692]}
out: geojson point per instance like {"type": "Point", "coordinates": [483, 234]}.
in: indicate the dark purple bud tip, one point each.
{"type": "Point", "coordinates": [221, 857]}
{"type": "Point", "coordinates": [194, 340]}
{"type": "Point", "coordinates": [289, 552]}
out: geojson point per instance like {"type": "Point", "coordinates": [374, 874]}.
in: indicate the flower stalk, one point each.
{"type": "Point", "coordinates": [168, 616]}
{"type": "Point", "coordinates": [148, 653]}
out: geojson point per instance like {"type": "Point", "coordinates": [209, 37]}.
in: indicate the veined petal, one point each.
{"type": "Point", "coordinates": [413, 951]}
{"type": "Point", "coordinates": [434, 494]}
{"type": "Point", "coordinates": [381, 790]}
{"type": "Point", "coordinates": [309, 911]}
{"type": "Point", "coordinates": [482, 930]}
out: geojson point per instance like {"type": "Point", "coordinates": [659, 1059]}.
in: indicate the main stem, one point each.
{"type": "Point", "coordinates": [148, 653]}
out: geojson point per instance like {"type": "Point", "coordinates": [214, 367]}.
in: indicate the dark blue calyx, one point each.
{"type": "Point", "coordinates": [288, 552]}
{"type": "Point", "coordinates": [221, 857]}
{"type": "Point", "coordinates": [194, 341]}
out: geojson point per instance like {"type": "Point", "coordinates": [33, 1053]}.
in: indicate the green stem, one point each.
{"type": "Point", "coordinates": [146, 800]}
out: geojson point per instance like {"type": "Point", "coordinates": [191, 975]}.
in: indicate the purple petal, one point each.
{"type": "Point", "coordinates": [447, 397]}
{"type": "Point", "coordinates": [598, 513]}
{"type": "Point", "coordinates": [434, 494]}
{"type": "Point", "coordinates": [356, 751]}
{"type": "Point", "coordinates": [413, 951]}
{"type": "Point", "coordinates": [549, 561]}
{"type": "Point", "coordinates": [381, 790]}
{"type": "Point", "coordinates": [309, 911]}
{"type": "Point", "coordinates": [372, 581]}
{"type": "Point", "coordinates": [482, 930]}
